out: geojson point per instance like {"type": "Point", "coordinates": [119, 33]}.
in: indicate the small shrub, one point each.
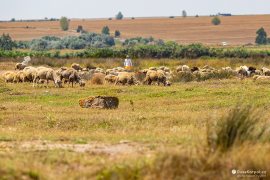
{"type": "Point", "coordinates": [64, 23]}
{"type": "Point", "coordinates": [119, 16]}
{"type": "Point", "coordinates": [171, 17]}
{"type": "Point", "coordinates": [216, 21]}
{"type": "Point", "coordinates": [105, 30]}
{"type": "Point", "coordinates": [261, 36]}
{"type": "Point", "coordinates": [184, 14]}
{"type": "Point", "coordinates": [80, 29]}
{"type": "Point", "coordinates": [117, 33]}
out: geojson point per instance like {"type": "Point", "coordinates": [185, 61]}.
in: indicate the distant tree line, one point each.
{"type": "Point", "coordinates": [33, 20]}
{"type": "Point", "coordinates": [166, 50]}
{"type": "Point", "coordinates": [83, 41]}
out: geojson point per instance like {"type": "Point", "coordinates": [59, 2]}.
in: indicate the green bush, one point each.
{"type": "Point", "coordinates": [261, 37]}
{"type": "Point", "coordinates": [119, 16]}
{"type": "Point", "coordinates": [117, 33]}
{"type": "Point", "coordinates": [6, 42]}
{"type": "Point", "coordinates": [216, 21]}
{"type": "Point", "coordinates": [39, 45]}
{"type": "Point", "coordinates": [184, 14]}
{"type": "Point", "coordinates": [64, 23]}
{"type": "Point", "coordinates": [79, 29]}
{"type": "Point", "coordinates": [22, 44]}
{"type": "Point", "coordinates": [105, 30]}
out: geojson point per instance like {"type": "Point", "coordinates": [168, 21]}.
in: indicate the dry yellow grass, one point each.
{"type": "Point", "coordinates": [165, 128]}
{"type": "Point", "coordinates": [234, 30]}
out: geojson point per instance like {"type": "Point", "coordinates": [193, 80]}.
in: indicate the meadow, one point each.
{"type": "Point", "coordinates": [235, 30]}
{"type": "Point", "coordinates": [156, 133]}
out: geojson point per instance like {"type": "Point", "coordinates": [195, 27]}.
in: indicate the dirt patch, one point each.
{"type": "Point", "coordinates": [122, 148]}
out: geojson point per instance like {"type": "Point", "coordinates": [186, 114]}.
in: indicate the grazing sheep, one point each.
{"type": "Point", "coordinates": [155, 76]}
{"type": "Point", "coordinates": [86, 75]}
{"type": "Point", "coordinates": [258, 77]}
{"type": "Point", "coordinates": [119, 69]}
{"type": "Point", "coordinates": [98, 78]}
{"type": "Point", "coordinates": [20, 66]}
{"type": "Point", "coordinates": [228, 68]}
{"type": "Point", "coordinates": [47, 74]}
{"type": "Point", "coordinates": [30, 73]}
{"type": "Point", "coordinates": [258, 72]}
{"type": "Point", "coordinates": [265, 71]}
{"type": "Point", "coordinates": [193, 69]}
{"type": "Point", "coordinates": [153, 68]}
{"type": "Point", "coordinates": [85, 69]}
{"type": "Point", "coordinates": [208, 69]}
{"type": "Point", "coordinates": [183, 68]}
{"type": "Point", "coordinates": [109, 71]}
{"type": "Point", "coordinates": [243, 71]}
{"type": "Point", "coordinates": [126, 78]}
{"type": "Point", "coordinates": [99, 70]}
{"type": "Point", "coordinates": [77, 67]}
{"type": "Point", "coordinates": [251, 70]}
{"type": "Point", "coordinates": [20, 77]}
{"type": "Point", "coordinates": [9, 76]}
{"type": "Point", "coordinates": [71, 76]}
{"type": "Point", "coordinates": [110, 78]}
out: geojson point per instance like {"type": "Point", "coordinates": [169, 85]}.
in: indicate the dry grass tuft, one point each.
{"type": "Point", "coordinates": [240, 126]}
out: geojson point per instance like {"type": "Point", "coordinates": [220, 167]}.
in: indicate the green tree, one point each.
{"type": "Point", "coordinates": [105, 30]}
{"type": "Point", "coordinates": [117, 33]}
{"type": "Point", "coordinates": [6, 42]}
{"type": "Point", "coordinates": [261, 36]}
{"type": "Point", "coordinates": [216, 21]}
{"type": "Point", "coordinates": [64, 23]}
{"type": "Point", "coordinates": [13, 20]}
{"type": "Point", "coordinates": [184, 13]}
{"type": "Point", "coordinates": [119, 16]}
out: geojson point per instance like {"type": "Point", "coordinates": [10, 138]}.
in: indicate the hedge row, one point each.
{"type": "Point", "coordinates": [168, 50]}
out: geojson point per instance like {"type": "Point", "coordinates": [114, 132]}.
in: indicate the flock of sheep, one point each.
{"type": "Point", "coordinates": [240, 72]}
{"type": "Point", "coordinates": [119, 76]}
{"type": "Point", "coordinates": [78, 75]}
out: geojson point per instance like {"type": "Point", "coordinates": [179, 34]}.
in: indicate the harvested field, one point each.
{"type": "Point", "coordinates": [235, 30]}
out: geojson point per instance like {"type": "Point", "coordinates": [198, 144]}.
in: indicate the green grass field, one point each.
{"type": "Point", "coordinates": [155, 132]}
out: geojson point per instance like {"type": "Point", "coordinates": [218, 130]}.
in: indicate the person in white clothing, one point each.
{"type": "Point", "coordinates": [128, 63]}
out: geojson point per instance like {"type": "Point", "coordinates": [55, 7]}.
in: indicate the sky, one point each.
{"type": "Point", "coordinates": [39, 9]}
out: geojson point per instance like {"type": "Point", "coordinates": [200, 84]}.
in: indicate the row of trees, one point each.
{"type": "Point", "coordinates": [85, 40]}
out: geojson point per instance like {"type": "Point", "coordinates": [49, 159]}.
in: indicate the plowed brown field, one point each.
{"type": "Point", "coordinates": [233, 30]}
